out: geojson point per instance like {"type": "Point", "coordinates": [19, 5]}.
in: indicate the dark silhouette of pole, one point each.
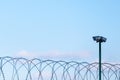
{"type": "Point", "coordinates": [99, 39]}
{"type": "Point", "coordinates": [99, 60]}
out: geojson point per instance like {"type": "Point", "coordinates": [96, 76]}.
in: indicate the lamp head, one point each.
{"type": "Point", "coordinates": [99, 39]}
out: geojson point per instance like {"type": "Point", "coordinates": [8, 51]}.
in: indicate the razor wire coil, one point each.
{"type": "Point", "coordinates": [37, 69]}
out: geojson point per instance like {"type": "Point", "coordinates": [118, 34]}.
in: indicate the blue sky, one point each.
{"type": "Point", "coordinates": [60, 29]}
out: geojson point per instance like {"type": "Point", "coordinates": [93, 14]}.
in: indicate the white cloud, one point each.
{"type": "Point", "coordinates": [25, 54]}
{"type": "Point", "coordinates": [54, 55]}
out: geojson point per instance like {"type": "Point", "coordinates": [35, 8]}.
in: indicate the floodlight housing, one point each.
{"type": "Point", "coordinates": [99, 39]}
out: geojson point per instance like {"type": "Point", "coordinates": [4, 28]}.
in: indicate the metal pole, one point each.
{"type": "Point", "coordinates": [99, 39]}
{"type": "Point", "coordinates": [99, 60]}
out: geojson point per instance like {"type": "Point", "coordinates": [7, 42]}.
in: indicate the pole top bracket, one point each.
{"type": "Point", "coordinates": [99, 39]}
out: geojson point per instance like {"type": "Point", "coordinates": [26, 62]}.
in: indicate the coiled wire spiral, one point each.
{"type": "Point", "coordinates": [37, 69]}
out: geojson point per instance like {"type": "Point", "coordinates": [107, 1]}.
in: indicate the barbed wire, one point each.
{"type": "Point", "coordinates": [37, 69]}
